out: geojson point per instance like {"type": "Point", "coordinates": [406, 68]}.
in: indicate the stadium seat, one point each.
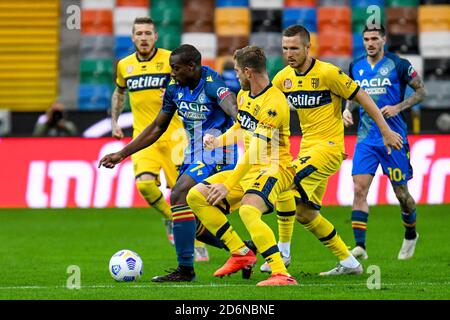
{"type": "Point", "coordinates": [123, 47]}
{"type": "Point", "coordinates": [124, 17]}
{"type": "Point", "coordinates": [269, 41]}
{"type": "Point", "coordinates": [94, 96]}
{"type": "Point", "coordinates": [401, 20]}
{"type": "Point", "coordinates": [402, 3]}
{"type": "Point", "coordinates": [274, 64]}
{"type": "Point", "coordinates": [438, 94]}
{"type": "Point", "coordinates": [264, 4]}
{"type": "Point", "coordinates": [435, 44]}
{"type": "Point", "coordinates": [162, 16]}
{"type": "Point", "coordinates": [335, 44]}
{"type": "Point", "coordinates": [96, 22]}
{"type": "Point", "coordinates": [314, 49]}
{"type": "Point", "coordinates": [231, 3]}
{"type": "Point", "coordinates": [299, 3]}
{"type": "Point", "coordinates": [307, 17]}
{"type": "Point", "coordinates": [169, 37]}
{"type": "Point", "coordinates": [232, 21]}
{"type": "Point", "coordinates": [206, 43]}
{"type": "Point", "coordinates": [367, 3]}
{"type": "Point", "coordinates": [97, 4]}
{"type": "Point", "coordinates": [434, 18]}
{"type": "Point", "coordinates": [334, 19]}
{"type": "Point", "coordinates": [437, 69]}
{"type": "Point", "coordinates": [358, 45]}
{"type": "Point", "coordinates": [359, 19]}
{"type": "Point", "coordinates": [193, 21]}
{"type": "Point", "coordinates": [133, 3]}
{"type": "Point", "coordinates": [210, 62]}
{"type": "Point", "coordinates": [226, 45]}
{"type": "Point", "coordinates": [334, 3]}
{"type": "Point", "coordinates": [403, 43]}
{"type": "Point", "coordinates": [266, 20]}
{"type": "Point", "coordinates": [342, 62]}
{"type": "Point", "coordinates": [96, 71]}
{"type": "Point", "coordinates": [96, 47]}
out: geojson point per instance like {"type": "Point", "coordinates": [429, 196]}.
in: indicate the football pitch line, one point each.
{"type": "Point", "coordinates": [140, 286]}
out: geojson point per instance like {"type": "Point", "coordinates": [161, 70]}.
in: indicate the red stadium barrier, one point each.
{"type": "Point", "coordinates": [62, 172]}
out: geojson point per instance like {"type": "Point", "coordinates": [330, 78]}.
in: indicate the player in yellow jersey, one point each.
{"type": "Point", "coordinates": [145, 75]}
{"type": "Point", "coordinates": [316, 89]}
{"type": "Point", "coordinates": [261, 175]}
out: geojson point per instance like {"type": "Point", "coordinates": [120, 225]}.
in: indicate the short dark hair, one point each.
{"type": "Point", "coordinates": [143, 20]}
{"type": "Point", "coordinates": [297, 29]}
{"type": "Point", "coordinates": [380, 29]}
{"type": "Point", "coordinates": [252, 57]}
{"type": "Point", "coordinates": [188, 54]}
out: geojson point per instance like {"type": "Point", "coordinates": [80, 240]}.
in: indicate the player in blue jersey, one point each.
{"type": "Point", "coordinates": [206, 105]}
{"type": "Point", "coordinates": [384, 76]}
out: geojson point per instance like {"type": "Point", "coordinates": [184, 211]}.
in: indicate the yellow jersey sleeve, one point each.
{"type": "Point", "coordinates": [120, 80]}
{"type": "Point", "coordinates": [277, 81]}
{"type": "Point", "coordinates": [340, 83]}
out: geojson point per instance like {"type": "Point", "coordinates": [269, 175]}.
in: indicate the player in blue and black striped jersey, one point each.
{"type": "Point", "coordinates": [384, 76]}
{"type": "Point", "coordinates": [206, 105]}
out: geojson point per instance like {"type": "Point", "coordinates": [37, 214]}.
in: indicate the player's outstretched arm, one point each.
{"type": "Point", "coordinates": [229, 105]}
{"type": "Point", "coordinates": [347, 114]}
{"type": "Point", "coordinates": [117, 104]}
{"type": "Point", "coordinates": [390, 138]}
{"type": "Point", "coordinates": [419, 94]}
{"type": "Point", "coordinates": [147, 137]}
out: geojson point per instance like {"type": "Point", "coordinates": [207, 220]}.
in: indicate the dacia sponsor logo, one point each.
{"type": "Point", "coordinates": [192, 110]}
{"type": "Point", "coordinates": [247, 121]}
{"type": "Point", "coordinates": [375, 85]}
{"type": "Point", "coordinates": [143, 82]}
{"type": "Point", "coordinates": [375, 82]}
{"type": "Point", "coordinates": [309, 99]}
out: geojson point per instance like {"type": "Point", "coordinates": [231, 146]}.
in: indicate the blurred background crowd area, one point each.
{"type": "Point", "coordinates": [51, 54]}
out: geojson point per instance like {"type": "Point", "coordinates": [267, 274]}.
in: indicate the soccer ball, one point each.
{"type": "Point", "coordinates": [126, 265]}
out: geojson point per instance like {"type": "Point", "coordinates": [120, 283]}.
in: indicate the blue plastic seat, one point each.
{"type": "Point", "coordinates": [366, 3]}
{"type": "Point", "coordinates": [231, 3]}
{"type": "Point", "coordinates": [358, 45]}
{"type": "Point", "coordinates": [94, 96]}
{"type": "Point", "coordinates": [306, 17]}
{"type": "Point", "coordinates": [123, 47]}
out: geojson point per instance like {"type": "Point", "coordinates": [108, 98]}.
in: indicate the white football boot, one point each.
{"type": "Point", "coordinates": [359, 253]}
{"type": "Point", "coordinates": [408, 247]}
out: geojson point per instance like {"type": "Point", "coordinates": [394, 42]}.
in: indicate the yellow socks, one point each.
{"type": "Point", "coordinates": [154, 197]}
{"type": "Point", "coordinates": [327, 234]}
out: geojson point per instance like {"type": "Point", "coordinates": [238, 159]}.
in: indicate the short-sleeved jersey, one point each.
{"type": "Point", "coordinates": [200, 111]}
{"type": "Point", "coordinates": [143, 80]}
{"type": "Point", "coordinates": [266, 116]}
{"type": "Point", "coordinates": [386, 83]}
{"type": "Point", "coordinates": [317, 95]}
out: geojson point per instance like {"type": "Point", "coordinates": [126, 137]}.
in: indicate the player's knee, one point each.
{"type": "Point", "coordinates": [403, 196]}
{"type": "Point", "coordinates": [195, 197]}
{"type": "Point", "coordinates": [178, 196]}
{"type": "Point", "coordinates": [146, 186]}
{"type": "Point", "coordinates": [360, 192]}
{"type": "Point", "coordinates": [304, 214]}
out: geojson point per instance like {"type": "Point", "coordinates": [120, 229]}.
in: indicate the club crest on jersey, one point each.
{"type": "Point", "coordinates": [287, 83]}
{"type": "Point", "coordinates": [159, 66]}
{"type": "Point", "coordinates": [384, 71]}
{"type": "Point", "coordinates": [202, 98]}
{"type": "Point", "coordinates": [361, 71]}
{"type": "Point", "coordinates": [130, 68]}
{"type": "Point", "coordinates": [315, 82]}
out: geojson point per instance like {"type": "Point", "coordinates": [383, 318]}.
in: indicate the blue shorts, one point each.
{"type": "Point", "coordinates": [199, 171]}
{"type": "Point", "coordinates": [396, 166]}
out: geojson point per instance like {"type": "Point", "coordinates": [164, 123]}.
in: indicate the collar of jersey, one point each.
{"type": "Point", "coordinates": [313, 62]}
{"type": "Point", "coordinates": [262, 92]}
{"type": "Point", "coordinates": [149, 59]}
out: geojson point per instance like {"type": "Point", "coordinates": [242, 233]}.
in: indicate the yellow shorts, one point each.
{"type": "Point", "coordinates": [268, 185]}
{"type": "Point", "coordinates": [154, 158]}
{"type": "Point", "coordinates": [313, 167]}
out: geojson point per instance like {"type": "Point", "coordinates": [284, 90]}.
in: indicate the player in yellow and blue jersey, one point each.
{"type": "Point", "coordinates": [384, 76]}
{"type": "Point", "coordinates": [200, 97]}
{"type": "Point", "coordinates": [316, 90]}
{"type": "Point", "coordinates": [261, 175]}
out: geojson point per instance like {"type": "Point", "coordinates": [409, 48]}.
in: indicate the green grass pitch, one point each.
{"type": "Point", "coordinates": [38, 245]}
